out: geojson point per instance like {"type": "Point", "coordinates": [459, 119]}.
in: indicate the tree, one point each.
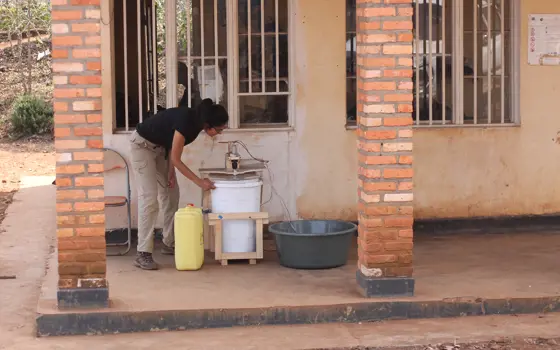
{"type": "Point", "coordinates": [20, 20]}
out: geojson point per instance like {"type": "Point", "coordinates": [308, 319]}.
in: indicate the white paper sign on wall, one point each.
{"type": "Point", "coordinates": [544, 40]}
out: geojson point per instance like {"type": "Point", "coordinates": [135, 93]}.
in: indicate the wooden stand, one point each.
{"type": "Point", "coordinates": [216, 220]}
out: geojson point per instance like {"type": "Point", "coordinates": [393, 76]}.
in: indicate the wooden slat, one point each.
{"type": "Point", "coordinates": [237, 216]}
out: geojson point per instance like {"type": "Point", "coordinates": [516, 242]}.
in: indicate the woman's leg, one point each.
{"type": "Point", "coordinates": [169, 200]}
{"type": "Point", "coordinates": [145, 169]}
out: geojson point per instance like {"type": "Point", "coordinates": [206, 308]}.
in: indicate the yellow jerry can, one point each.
{"type": "Point", "coordinates": [189, 239]}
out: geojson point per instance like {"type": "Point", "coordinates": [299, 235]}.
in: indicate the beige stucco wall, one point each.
{"type": "Point", "coordinates": [459, 172]}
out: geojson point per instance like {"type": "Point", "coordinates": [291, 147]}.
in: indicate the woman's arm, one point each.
{"type": "Point", "coordinates": [176, 152]}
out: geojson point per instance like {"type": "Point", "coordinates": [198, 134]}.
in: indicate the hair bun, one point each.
{"type": "Point", "coordinates": [204, 108]}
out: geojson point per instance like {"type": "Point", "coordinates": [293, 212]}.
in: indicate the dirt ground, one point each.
{"type": "Point", "coordinates": [502, 344]}
{"type": "Point", "coordinates": [28, 157]}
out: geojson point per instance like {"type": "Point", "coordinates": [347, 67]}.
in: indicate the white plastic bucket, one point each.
{"type": "Point", "coordinates": [237, 195]}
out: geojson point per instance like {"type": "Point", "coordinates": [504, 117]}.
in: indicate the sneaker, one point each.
{"type": "Point", "coordinates": [166, 250]}
{"type": "Point", "coordinates": [145, 261]}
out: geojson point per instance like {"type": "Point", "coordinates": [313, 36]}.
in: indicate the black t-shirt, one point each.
{"type": "Point", "coordinates": [160, 128]}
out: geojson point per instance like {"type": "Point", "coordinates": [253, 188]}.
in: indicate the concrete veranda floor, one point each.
{"type": "Point", "coordinates": [27, 245]}
{"type": "Point", "coordinates": [460, 266]}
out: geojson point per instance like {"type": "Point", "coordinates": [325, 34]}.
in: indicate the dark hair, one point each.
{"type": "Point", "coordinates": [211, 114]}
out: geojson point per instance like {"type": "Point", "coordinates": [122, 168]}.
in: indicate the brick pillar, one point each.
{"type": "Point", "coordinates": [78, 139]}
{"type": "Point", "coordinates": [384, 47]}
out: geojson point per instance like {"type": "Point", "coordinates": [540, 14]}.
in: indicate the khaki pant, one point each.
{"type": "Point", "coordinates": [151, 174]}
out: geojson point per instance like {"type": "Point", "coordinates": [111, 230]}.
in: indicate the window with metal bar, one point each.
{"type": "Point", "coordinates": [351, 82]}
{"type": "Point", "coordinates": [136, 78]}
{"type": "Point", "coordinates": [235, 52]}
{"type": "Point", "coordinates": [464, 62]}
{"type": "Point", "coordinates": [202, 52]}
{"type": "Point", "coordinates": [263, 51]}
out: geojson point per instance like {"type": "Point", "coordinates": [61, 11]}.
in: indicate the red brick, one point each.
{"type": "Point", "coordinates": [85, 79]}
{"type": "Point", "coordinates": [405, 108]}
{"type": "Point", "coordinates": [59, 15]}
{"type": "Point", "coordinates": [93, 92]}
{"type": "Point", "coordinates": [377, 160]}
{"type": "Point", "coordinates": [86, 106]}
{"type": "Point", "coordinates": [69, 144]}
{"type": "Point", "coordinates": [95, 168]}
{"type": "Point", "coordinates": [398, 173]}
{"type": "Point", "coordinates": [63, 182]}
{"type": "Point", "coordinates": [85, 2]}
{"type": "Point", "coordinates": [68, 93]}
{"type": "Point", "coordinates": [69, 118]}
{"type": "Point", "coordinates": [89, 206]}
{"type": "Point", "coordinates": [71, 220]}
{"type": "Point", "coordinates": [397, 49]}
{"type": "Point", "coordinates": [380, 186]}
{"type": "Point", "coordinates": [90, 232]}
{"type": "Point", "coordinates": [61, 132]}
{"type": "Point", "coordinates": [95, 143]}
{"type": "Point", "coordinates": [88, 156]}
{"type": "Point", "coordinates": [96, 194]}
{"type": "Point", "coordinates": [93, 66]}
{"type": "Point", "coordinates": [405, 159]}
{"type": "Point", "coordinates": [59, 53]}
{"type": "Point", "coordinates": [60, 107]}
{"type": "Point", "coordinates": [398, 246]}
{"type": "Point", "coordinates": [94, 118]}
{"type": "Point", "coordinates": [392, 73]}
{"type": "Point", "coordinates": [406, 233]}
{"type": "Point", "coordinates": [88, 181]}
{"type": "Point", "coordinates": [88, 131]}
{"type": "Point", "coordinates": [86, 53]}
{"type": "Point", "coordinates": [97, 219]}
{"type": "Point", "coordinates": [70, 169]}
{"type": "Point", "coordinates": [404, 97]}
{"type": "Point", "coordinates": [63, 207]}
{"type": "Point", "coordinates": [406, 221]}
{"type": "Point", "coordinates": [69, 40]}
{"type": "Point", "coordinates": [86, 27]}
{"type": "Point", "coordinates": [397, 121]}
{"type": "Point", "coordinates": [93, 40]}
{"type": "Point", "coordinates": [97, 268]}
{"type": "Point", "coordinates": [378, 134]}
{"type": "Point", "coordinates": [373, 260]}
{"type": "Point", "coordinates": [381, 210]}
{"type": "Point", "coordinates": [70, 194]}
{"type": "Point", "coordinates": [400, 25]}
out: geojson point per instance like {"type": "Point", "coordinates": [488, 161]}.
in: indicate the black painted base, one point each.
{"type": "Point", "coordinates": [384, 287]}
{"type": "Point", "coordinates": [113, 322]}
{"type": "Point", "coordinates": [83, 298]}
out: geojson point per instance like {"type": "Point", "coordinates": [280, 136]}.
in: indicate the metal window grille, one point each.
{"type": "Point", "coordinates": [136, 102]}
{"type": "Point", "coordinates": [462, 62]}
{"type": "Point", "coordinates": [202, 51]}
{"type": "Point", "coordinates": [351, 82]}
{"type": "Point", "coordinates": [263, 62]}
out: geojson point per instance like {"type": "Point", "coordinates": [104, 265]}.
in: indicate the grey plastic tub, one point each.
{"type": "Point", "coordinates": [313, 244]}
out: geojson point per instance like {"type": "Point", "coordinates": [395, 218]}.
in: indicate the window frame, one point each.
{"type": "Point", "coordinates": [232, 18]}
{"type": "Point", "coordinates": [457, 58]}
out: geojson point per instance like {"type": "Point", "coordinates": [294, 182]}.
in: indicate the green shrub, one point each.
{"type": "Point", "coordinates": [31, 115]}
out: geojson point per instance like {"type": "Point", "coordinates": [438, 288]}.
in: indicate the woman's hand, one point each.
{"type": "Point", "coordinates": [176, 151]}
{"type": "Point", "coordinates": [172, 179]}
{"type": "Point", "coordinates": [206, 185]}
